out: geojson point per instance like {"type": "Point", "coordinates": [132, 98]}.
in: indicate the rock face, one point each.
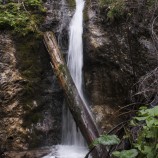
{"type": "Point", "coordinates": [58, 17]}
{"type": "Point", "coordinates": [30, 97]}
{"type": "Point", "coordinates": [36, 153]}
{"type": "Point", "coordinates": [116, 55]}
{"type": "Point", "coordinates": [11, 83]}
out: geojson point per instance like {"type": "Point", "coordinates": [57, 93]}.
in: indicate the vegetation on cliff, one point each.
{"type": "Point", "coordinates": [141, 132]}
{"type": "Point", "coordinates": [21, 20]}
{"type": "Point", "coordinates": [22, 17]}
{"type": "Point", "coordinates": [116, 8]}
{"type": "Point", "coordinates": [120, 8]}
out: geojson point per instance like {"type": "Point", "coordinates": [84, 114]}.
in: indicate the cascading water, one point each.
{"type": "Point", "coordinates": [73, 144]}
{"type": "Point", "coordinates": [70, 135]}
{"type": "Point", "coordinates": [75, 54]}
{"type": "Point", "coordinates": [75, 63]}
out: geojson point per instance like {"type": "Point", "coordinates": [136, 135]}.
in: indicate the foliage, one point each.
{"type": "Point", "coordinates": [116, 8]}
{"type": "Point", "coordinates": [114, 140]}
{"type": "Point", "coordinates": [146, 140]}
{"type": "Point", "coordinates": [132, 153]}
{"type": "Point", "coordinates": [147, 121]}
{"type": "Point", "coordinates": [35, 4]}
{"type": "Point", "coordinates": [107, 140]}
{"type": "Point", "coordinates": [19, 16]}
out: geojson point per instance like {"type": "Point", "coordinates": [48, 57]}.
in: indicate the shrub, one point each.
{"type": "Point", "coordinates": [115, 8]}
{"type": "Point", "coordinates": [147, 121]}
{"type": "Point", "coordinates": [145, 143]}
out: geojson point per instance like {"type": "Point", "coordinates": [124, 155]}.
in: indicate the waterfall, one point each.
{"type": "Point", "coordinates": [75, 53]}
{"type": "Point", "coordinates": [73, 144]}
{"type": "Point", "coordinates": [70, 135]}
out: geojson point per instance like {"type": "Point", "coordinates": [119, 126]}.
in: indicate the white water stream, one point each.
{"type": "Point", "coordinates": [75, 54]}
{"type": "Point", "coordinates": [72, 136]}
{"type": "Point", "coordinates": [73, 144]}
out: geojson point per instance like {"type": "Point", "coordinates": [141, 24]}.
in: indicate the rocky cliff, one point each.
{"type": "Point", "coordinates": [117, 52]}
{"type": "Point", "coordinates": [30, 97]}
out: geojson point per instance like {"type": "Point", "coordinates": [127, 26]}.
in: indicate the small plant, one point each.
{"type": "Point", "coordinates": [114, 140]}
{"type": "Point", "coordinates": [107, 140]}
{"type": "Point", "coordinates": [132, 153]}
{"type": "Point", "coordinates": [147, 139]}
{"type": "Point", "coordinates": [115, 8]}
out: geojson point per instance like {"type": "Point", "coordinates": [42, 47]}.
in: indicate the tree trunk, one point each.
{"type": "Point", "coordinates": [75, 104]}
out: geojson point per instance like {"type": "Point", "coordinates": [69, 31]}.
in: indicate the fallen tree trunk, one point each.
{"type": "Point", "coordinates": [75, 104]}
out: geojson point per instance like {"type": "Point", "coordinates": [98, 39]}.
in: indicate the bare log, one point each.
{"type": "Point", "coordinates": [75, 104]}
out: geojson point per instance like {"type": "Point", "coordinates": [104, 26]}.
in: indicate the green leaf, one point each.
{"type": "Point", "coordinates": [149, 112]}
{"type": "Point", "coordinates": [149, 133]}
{"type": "Point", "coordinates": [126, 153]}
{"type": "Point", "coordinates": [151, 121]}
{"type": "Point", "coordinates": [107, 140]}
{"type": "Point", "coordinates": [140, 118]}
{"type": "Point", "coordinates": [144, 149]}
{"type": "Point", "coordinates": [153, 111]}
{"type": "Point", "coordinates": [133, 123]}
{"type": "Point", "coordinates": [116, 153]}
{"type": "Point", "coordinates": [143, 108]}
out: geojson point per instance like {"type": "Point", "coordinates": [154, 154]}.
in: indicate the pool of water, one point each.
{"type": "Point", "coordinates": [67, 151]}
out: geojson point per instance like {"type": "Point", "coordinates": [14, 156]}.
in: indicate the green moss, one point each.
{"type": "Point", "coordinates": [85, 11]}
{"type": "Point", "coordinates": [22, 17]}
{"type": "Point", "coordinates": [104, 2]}
{"type": "Point", "coordinates": [116, 8]}
{"type": "Point", "coordinates": [29, 65]}
{"type": "Point", "coordinates": [71, 3]}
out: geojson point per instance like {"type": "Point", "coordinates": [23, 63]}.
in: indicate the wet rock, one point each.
{"type": "Point", "coordinates": [116, 55]}
{"type": "Point", "coordinates": [31, 99]}
{"type": "Point", "coordinates": [28, 154]}
{"type": "Point", "coordinates": [11, 87]}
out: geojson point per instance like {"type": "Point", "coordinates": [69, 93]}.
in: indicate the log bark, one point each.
{"type": "Point", "coordinates": [75, 104]}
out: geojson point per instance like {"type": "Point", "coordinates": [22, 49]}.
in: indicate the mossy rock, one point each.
{"type": "Point", "coordinates": [71, 3]}
{"type": "Point", "coordinates": [85, 11]}
{"type": "Point", "coordinates": [22, 17]}
{"type": "Point", "coordinates": [30, 66]}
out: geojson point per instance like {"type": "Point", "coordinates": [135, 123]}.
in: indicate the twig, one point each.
{"type": "Point", "coordinates": [90, 152]}
{"type": "Point", "coordinates": [117, 126]}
